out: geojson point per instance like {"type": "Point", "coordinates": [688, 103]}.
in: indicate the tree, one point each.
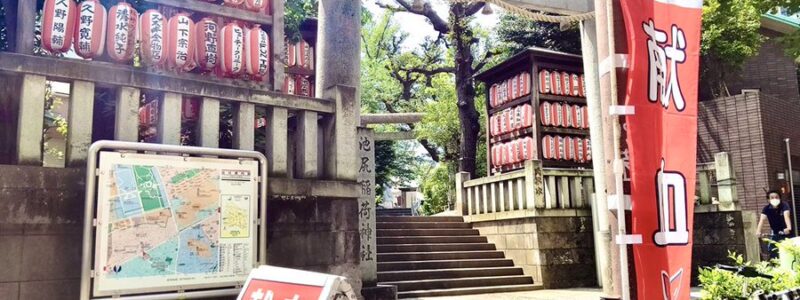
{"type": "Point", "coordinates": [519, 33]}
{"type": "Point", "coordinates": [731, 35]}
{"type": "Point", "coordinates": [457, 32]}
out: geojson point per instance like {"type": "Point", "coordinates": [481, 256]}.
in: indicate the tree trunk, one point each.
{"type": "Point", "coordinates": [462, 38]}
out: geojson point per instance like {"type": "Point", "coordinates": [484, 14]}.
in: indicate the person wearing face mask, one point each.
{"type": "Point", "coordinates": [777, 214]}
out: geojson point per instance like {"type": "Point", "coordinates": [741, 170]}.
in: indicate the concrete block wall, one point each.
{"type": "Point", "coordinates": [557, 252]}
{"type": "Point", "coordinates": [715, 234]}
{"type": "Point", "coordinates": [41, 228]}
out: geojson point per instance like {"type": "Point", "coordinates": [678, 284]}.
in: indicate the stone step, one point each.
{"type": "Point", "coordinates": [470, 291]}
{"type": "Point", "coordinates": [417, 256]}
{"type": "Point", "coordinates": [426, 232]}
{"type": "Point", "coordinates": [444, 264]}
{"type": "Point", "coordinates": [435, 247]}
{"type": "Point", "coordinates": [432, 284]}
{"type": "Point", "coordinates": [422, 225]}
{"type": "Point", "coordinates": [448, 273]}
{"type": "Point", "coordinates": [418, 219]}
{"type": "Point", "coordinates": [393, 240]}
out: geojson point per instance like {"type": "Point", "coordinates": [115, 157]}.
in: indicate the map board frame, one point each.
{"type": "Point", "coordinates": [172, 155]}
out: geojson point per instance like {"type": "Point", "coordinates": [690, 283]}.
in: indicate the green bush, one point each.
{"type": "Point", "coordinates": [722, 284]}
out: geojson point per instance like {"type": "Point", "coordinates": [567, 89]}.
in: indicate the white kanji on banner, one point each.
{"type": "Point", "coordinates": [663, 79]}
{"type": "Point", "coordinates": [676, 233]}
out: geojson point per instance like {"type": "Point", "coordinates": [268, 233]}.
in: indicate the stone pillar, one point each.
{"type": "Point", "coordinates": [30, 120]}
{"type": "Point", "coordinates": [726, 181]}
{"type": "Point", "coordinates": [461, 197]}
{"type": "Point", "coordinates": [79, 135]}
{"type": "Point", "coordinates": [340, 134]}
{"type": "Point", "coordinates": [339, 46]}
{"type": "Point", "coordinates": [366, 206]}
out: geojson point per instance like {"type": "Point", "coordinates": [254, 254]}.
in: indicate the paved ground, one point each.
{"type": "Point", "coordinates": [571, 294]}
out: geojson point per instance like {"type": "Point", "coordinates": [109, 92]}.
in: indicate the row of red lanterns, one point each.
{"type": "Point", "coordinates": [298, 85]}
{"type": "Point", "coordinates": [252, 5]}
{"type": "Point", "coordinates": [511, 119]}
{"type": "Point", "coordinates": [562, 83]}
{"type": "Point", "coordinates": [566, 148]}
{"type": "Point", "coordinates": [513, 152]}
{"type": "Point", "coordinates": [300, 54]}
{"type": "Point", "coordinates": [564, 115]}
{"type": "Point", "coordinates": [177, 43]}
{"type": "Point", "coordinates": [510, 89]}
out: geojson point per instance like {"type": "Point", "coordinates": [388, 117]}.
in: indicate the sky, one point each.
{"type": "Point", "coordinates": [418, 27]}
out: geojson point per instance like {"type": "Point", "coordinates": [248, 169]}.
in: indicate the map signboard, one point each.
{"type": "Point", "coordinates": [167, 223]}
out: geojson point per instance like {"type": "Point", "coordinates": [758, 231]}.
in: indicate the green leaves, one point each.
{"type": "Point", "coordinates": [721, 284]}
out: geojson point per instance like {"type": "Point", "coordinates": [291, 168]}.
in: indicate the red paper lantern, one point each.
{"type": "Point", "coordinates": [555, 78]}
{"type": "Point", "coordinates": [231, 52]}
{"type": "Point", "coordinates": [290, 85]}
{"type": "Point", "coordinates": [524, 84]}
{"type": "Point", "coordinates": [569, 147]}
{"type": "Point", "coordinates": [234, 2]}
{"type": "Point", "coordinates": [256, 59]}
{"type": "Point", "coordinates": [566, 84]}
{"type": "Point", "coordinates": [514, 87]}
{"type": "Point", "coordinates": [587, 149]}
{"type": "Point", "coordinates": [583, 86]}
{"type": "Point", "coordinates": [576, 85]}
{"type": "Point", "coordinates": [546, 113]}
{"type": "Point", "coordinates": [58, 25]}
{"type": "Point", "coordinates": [291, 54]}
{"type": "Point", "coordinates": [512, 119]}
{"type": "Point", "coordinates": [567, 115]}
{"type": "Point", "coordinates": [304, 86]}
{"type": "Point", "coordinates": [153, 36]}
{"type": "Point", "coordinates": [90, 30]}
{"type": "Point", "coordinates": [305, 54]}
{"type": "Point", "coordinates": [548, 147]}
{"type": "Point", "coordinates": [121, 40]}
{"type": "Point", "coordinates": [493, 95]}
{"type": "Point", "coordinates": [579, 150]}
{"type": "Point", "coordinates": [493, 125]}
{"type": "Point", "coordinates": [493, 157]}
{"type": "Point", "coordinates": [577, 116]}
{"type": "Point", "coordinates": [181, 43]}
{"type": "Point", "coordinates": [544, 82]}
{"type": "Point", "coordinates": [561, 152]}
{"type": "Point", "coordinates": [526, 112]}
{"type": "Point", "coordinates": [255, 5]}
{"type": "Point", "coordinates": [558, 114]}
{"type": "Point", "coordinates": [206, 47]}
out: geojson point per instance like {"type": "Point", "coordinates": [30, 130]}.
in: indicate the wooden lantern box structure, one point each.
{"type": "Point", "coordinates": [536, 111]}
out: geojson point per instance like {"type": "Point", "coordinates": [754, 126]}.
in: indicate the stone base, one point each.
{"type": "Point", "coordinates": [547, 246]}
{"type": "Point", "coordinates": [380, 292]}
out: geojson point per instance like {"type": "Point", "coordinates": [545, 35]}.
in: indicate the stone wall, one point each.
{"type": "Point", "coordinates": [41, 225]}
{"type": "Point", "coordinates": [715, 234]}
{"type": "Point", "coordinates": [557, 252]}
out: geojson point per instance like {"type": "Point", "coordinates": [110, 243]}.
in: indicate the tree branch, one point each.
{"type": "Point", "coordinates": [474, 8]}
{"type": "Point", "coordinates": [427, 11]}
{"type": "Point", "coordinates": [430, 72]}
{"type": "Point", "coordinates": [484, 60]}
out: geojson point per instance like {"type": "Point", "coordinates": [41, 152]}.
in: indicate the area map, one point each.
{"type": "Point", "coordinates": [174, 223]}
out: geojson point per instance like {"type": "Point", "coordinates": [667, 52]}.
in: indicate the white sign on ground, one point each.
{"type": "Point", "coordinates": [167, 223]}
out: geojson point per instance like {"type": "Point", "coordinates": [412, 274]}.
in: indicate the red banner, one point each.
{"type": "Point", "coordinates": [664, 57]}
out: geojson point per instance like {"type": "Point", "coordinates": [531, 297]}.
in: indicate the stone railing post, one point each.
{"type": "Point", "coordinates": [534, 184]}
{"type": "Point", "coordinates": [726, 181]}
{"type": "Point", "coordinates": [461, 197]}
{"type": "Point", "coordinates": [340, 134]}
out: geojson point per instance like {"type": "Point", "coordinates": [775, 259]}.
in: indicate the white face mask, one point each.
{"type": "Point", "coordinates": [774, 202]}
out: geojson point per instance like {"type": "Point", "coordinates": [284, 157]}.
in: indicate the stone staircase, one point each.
{"type": "Point", "coordinates": [393, 212]}
{"type": "Point", "coordinates": [442, 256]}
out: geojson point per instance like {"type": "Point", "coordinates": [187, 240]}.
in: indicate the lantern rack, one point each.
{"type": "Point", "coordinates": [217, 10]}
{"type": "Point", "coordinates": [532, 61]}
